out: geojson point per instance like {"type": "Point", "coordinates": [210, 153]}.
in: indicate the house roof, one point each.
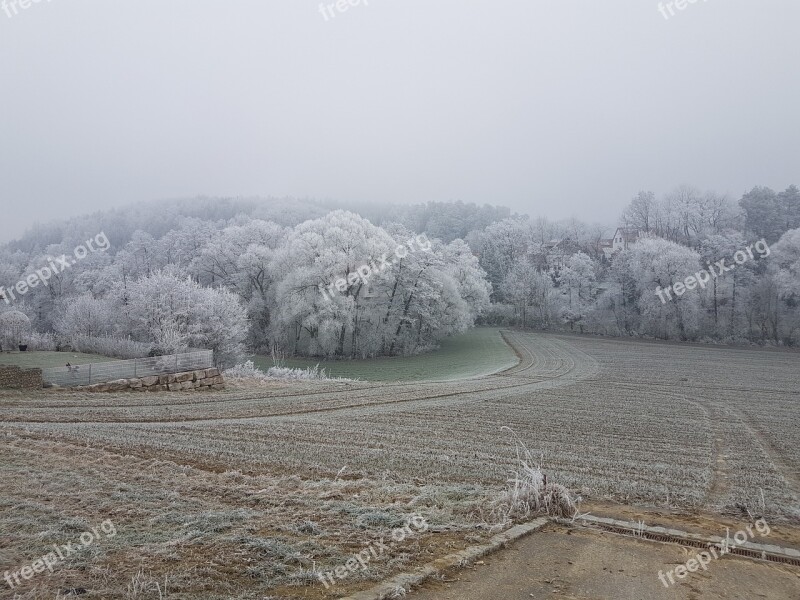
{"type": "Point", "coordinates": [629, 234]}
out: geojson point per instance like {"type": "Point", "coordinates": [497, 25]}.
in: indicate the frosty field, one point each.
{"type": "Point", "coordinates": [480, 351]}
{"type": "Point", "coordinates": [249, 493]}
{"type": "Point", "coordinates": [44, 360]}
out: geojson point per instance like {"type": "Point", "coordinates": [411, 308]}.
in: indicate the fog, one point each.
{"type": "Point", "coordinates": [553, 108]}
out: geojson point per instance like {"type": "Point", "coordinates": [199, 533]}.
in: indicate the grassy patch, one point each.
{"type": "Point", "coordinates": [478, 352]}
{"type": "Point", "coordinates": [44, 360]}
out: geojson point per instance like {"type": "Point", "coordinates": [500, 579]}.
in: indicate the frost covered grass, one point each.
{"type": "Point", "coordinates": [248, 372]}
{"type": "Point", "coordinates": [190, 532]}
{"type": "Point", "coordinates": [478, 352]}
{"type": "Point", "coordinates": [47, 359]}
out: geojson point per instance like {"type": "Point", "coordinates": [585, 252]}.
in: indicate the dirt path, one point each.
{"type": "Point", "coordinates": [584, 564]}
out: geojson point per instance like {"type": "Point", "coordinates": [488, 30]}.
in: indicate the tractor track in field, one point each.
{"type": "Point", "coordinates": [710, 389]}
{"type": "Point", "coordinates": [789, 475]}
{"type": "Point", "coordinates": [720, 486]}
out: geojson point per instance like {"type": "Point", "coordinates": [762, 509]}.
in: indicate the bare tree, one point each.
{"type": "Point", "coordinates": [640, 212]}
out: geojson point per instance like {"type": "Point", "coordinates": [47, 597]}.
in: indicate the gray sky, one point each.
{"type": "Point", "coordinates": [557, 107]}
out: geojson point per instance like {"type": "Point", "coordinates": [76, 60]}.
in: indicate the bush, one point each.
{"type": "Point", "coordinates": [42, 342]}
{"type": "Point", "coordinates": [248, 371]}
{"type": "Point", "coordinates": [15, 329]}
{"type": "Point", "coordinates": [498, 315]}
{"type": "Point", "coordinates": [108, 346]}
{"type": "Point", "coordinates": [307, 374]}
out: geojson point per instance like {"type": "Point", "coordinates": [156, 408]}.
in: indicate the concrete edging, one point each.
{"type": "Point", "coordinates": [421, 574]}
{"type": "Point", "coordinates": [767, 549]}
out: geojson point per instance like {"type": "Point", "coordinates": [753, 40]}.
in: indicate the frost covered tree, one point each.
{"type": "Point", "coordinates": [473, 287]}
{"type": "Point", "coordinates": [318, 293]}
{"type": "Point", "coordinates": [658, 265]}
{"type": "Point", "coordinates": [345, 287]}
{"type": "Point", "coordinates": [786, 259]}
{"type": "Point", "coordinates": [577, 283]}
{"type": "Point", "coordinates": [15, 328]}
{"type": "Point", "coordinates": [532, 293]}
{"type": "Point", "coordinates": [218, 322]}
{"type": "Point", "coordinates": [429, 294]}
{"type": "Point", "coordinates": [722, 291]}
{"type": "Point", "coordinates": [640, 213]}
{"type": "Point", "coordinates": [784, 270]}
{"type": "Point", "coordinates": [272, 258]}
{"type": "Point", "coordinates": [503, 245]}
{"type": "Point", "coordinates": [174, 313]}
{"type": "Point", "coordinates": [238, 257]}
{"type": "Point", "coordinates": [140, 256]}
{"type": "Point", "coordinates": [217, 262]}
{"type": "Point", "coordinates": [86, 315]}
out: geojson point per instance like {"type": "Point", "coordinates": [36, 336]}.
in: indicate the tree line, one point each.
{"type": "Point", "coordinates": [240, 275]}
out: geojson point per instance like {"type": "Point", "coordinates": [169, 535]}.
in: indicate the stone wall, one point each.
{"type": "Point", "coordinates": [16, 378]}
{"type": "Point", "coordinates": [203, 380]}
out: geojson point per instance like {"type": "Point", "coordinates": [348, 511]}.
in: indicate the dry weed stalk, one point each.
{"type": "Point", "coordinates": [142, 584]}
{"type": "Point", "coordinates": [529, 493]}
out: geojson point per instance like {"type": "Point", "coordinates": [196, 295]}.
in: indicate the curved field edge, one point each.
{"type": "Point", "coordinates": [477, 353]}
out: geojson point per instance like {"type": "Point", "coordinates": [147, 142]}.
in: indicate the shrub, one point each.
{"type": "Point", "coordinates": [15, 329]}
{"type": "Point", "coordinates": [308, 374]}
{"type": "Point", "coordinates": [108, 346]}
{"type": "Point", "coordinates": [42, 342]}
{"type": "Point", "coordinates": [248, 371]}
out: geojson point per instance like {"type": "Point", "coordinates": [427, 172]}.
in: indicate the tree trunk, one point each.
{"type": "Point", "coordinates": [403, 319]}
{"type": "Point", "coordinates": [732, 325]}
{"type": "Point", "coordinates": [340, 348]}
{"type": "Point", "coordinates": [716, 305]}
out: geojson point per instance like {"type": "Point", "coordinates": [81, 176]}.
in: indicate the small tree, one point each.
{"type": "Point", "coordinates": [15, 329]}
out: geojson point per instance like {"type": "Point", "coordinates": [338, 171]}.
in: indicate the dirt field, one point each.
{"type": "Point", "coordinates": [254, 492]}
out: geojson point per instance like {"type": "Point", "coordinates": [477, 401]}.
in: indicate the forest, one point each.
{"type": "Point", "coordinates": [256, 275]}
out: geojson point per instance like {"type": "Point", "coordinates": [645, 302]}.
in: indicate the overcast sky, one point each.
{"type": "Point", "coordinates": [557, 107]}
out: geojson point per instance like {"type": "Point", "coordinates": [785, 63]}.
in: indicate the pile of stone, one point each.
{"type": "Point", "coordinates": [15, 378]}
{"type": "Point", "coordinates": [205, 379]}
